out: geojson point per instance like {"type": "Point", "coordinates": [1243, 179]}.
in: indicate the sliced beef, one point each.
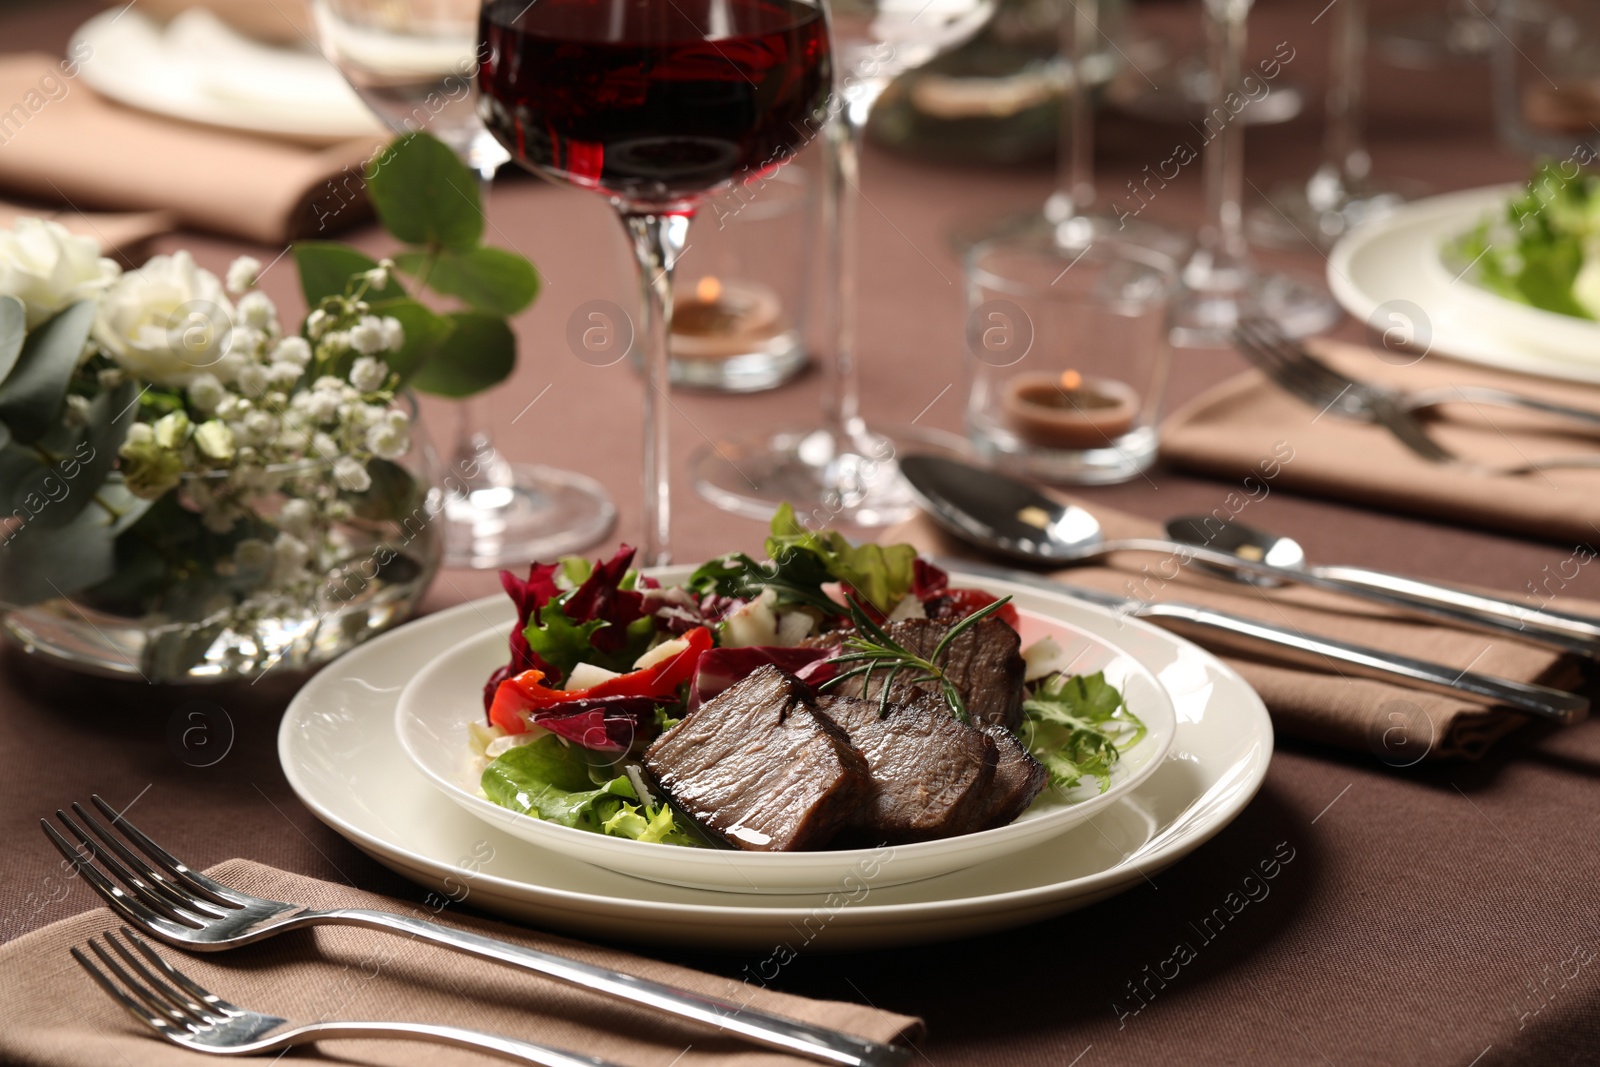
{"type": "Point", "coordinates": [758, 766]}
{"type": "Point", "coordinates": [932, 776]}
{"type": "Point", "coordinates": [1018, 779]}
{"type": "Point", "coordinates": [984, 663]}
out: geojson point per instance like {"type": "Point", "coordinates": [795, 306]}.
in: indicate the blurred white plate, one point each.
{"type": "Point", "coordinates": [198, 69]}
{"type": "Point", "coordinates": [1378, 269]}
{"type": "Point", "coordinates": [446, 696]}
{"type": "Point", "coordinates": [339, 750]}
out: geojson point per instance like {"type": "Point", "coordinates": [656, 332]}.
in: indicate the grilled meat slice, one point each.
{"type": "Point", "coordinates": [1018, 779]}
{"type": "Point", "coordinates": [984, 663]}
{"type": "Point", "coordinates": [932, 776]}
{"type": "Point", "coordinates": [758, 766]}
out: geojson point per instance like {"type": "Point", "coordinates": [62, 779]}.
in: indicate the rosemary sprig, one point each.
{"type": "Point", "coordinates": [871, 648]}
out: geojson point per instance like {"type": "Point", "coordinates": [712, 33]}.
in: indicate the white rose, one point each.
{"type": "Point", "coordinates": [166, 322]}
{"type": "Point", "coordinates": [48, 268]}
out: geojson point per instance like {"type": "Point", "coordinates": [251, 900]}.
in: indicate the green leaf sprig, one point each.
{"type": "Point", "coordinates": [428, 199]}
{"type": "Point", "coordinates": [871, 649]}
{"type": "Point", "coordinates": [1077, 725]}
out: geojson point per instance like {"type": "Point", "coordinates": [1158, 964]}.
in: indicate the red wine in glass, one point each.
{"type": "Point", "coordinates": [654, 104]}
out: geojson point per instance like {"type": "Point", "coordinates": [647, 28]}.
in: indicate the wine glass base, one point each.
{"type": "Point", "coordinates": [542, 514]}
{"type": "Point", "coordinates": [1077, 231]}
{"type": "Point", "coordinates": [1287, 219]}
{"type": "Point", "coordinates": [832, 477]}
{"type": "Point", "coordinates": [1206, 318]}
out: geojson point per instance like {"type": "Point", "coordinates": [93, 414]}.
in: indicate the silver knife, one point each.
{"type": "Point", "coordinates": [1217, 628]}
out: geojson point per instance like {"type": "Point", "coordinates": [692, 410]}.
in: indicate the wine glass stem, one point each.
{"type": "Point", "coordinates": [1223, 234]}
{"type": "Point", "coordinates": [1078, 27]}
{"type": "Point", "coordinates": [658, 240]}
{"type": "Point", "coordinates": [841, 395]}
{"type": "Point", "coordinates": [478, 464]}
{"type": "Point", "coordinates": [1344, 149]}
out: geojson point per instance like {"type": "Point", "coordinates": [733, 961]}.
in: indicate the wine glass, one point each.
{"type": "Point", "coordinates": [656, 105]}
{"type": "Point", "coordinates": [1341, 194]}
{"type": "Point", "coordinates": [842, 469]}
{"type": "Point", "coordinates": [1220, 283]}
{"type": "Point", "coordinates": [414, 63]}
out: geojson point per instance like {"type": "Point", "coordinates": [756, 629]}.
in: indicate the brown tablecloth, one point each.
{"type": "Point", "coordinates": [1438, 915]}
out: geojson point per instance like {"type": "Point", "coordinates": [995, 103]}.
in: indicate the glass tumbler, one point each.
{"type": "Point", "coordinates": [1068, 356]}
{"type": "Point", "coordinates": [1546, 64]}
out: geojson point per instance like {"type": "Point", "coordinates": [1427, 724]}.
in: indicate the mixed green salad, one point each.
{"type": "Point", "coordinates": [1544, 249]}
{"type": "Point", "coordinates": [603, 659]}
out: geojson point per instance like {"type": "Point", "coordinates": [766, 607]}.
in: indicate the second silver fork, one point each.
{"type": "Point", "coordinates": [160, 894]}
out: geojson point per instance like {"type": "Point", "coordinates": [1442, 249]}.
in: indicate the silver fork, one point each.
{"type": "Point", "coordinates": [160, 894]}
{"type": "Point", "coordinates": [180, 1010]}
{"type": "Point", "coordinates": [1299, 371]}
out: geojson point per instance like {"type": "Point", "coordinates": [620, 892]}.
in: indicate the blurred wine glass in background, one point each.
{"type": "Point", "coordinates": [415, 63]}
{"type": "Point", "coordinates": [842, 468]}
{"type": "Point", "coordinates": [1221, 282]}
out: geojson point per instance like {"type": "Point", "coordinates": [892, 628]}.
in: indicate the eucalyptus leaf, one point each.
{"type": "Point", "coordinates": [13, 331]}
{"type": "Point", "coordinates": [326, 268]}
{"type": "Point", "coordinates": [84, 470]}
{"type": "Point", "coordinates": [32, 394]}
{"type": "Point", "coordinates": [479, 352]}
{"type": "Point", "coordinates": [488, 279]}
{"type": "Point", "coordinates": [425, 195]}
{"type": "Point", "coordinates": [425, 331]}
{"type": "Point", "coordinates": [38, 564]}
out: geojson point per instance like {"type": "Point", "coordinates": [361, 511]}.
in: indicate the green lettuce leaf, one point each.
{"type": "Point", "coordinates": [881, 573]}
{"type": "Point", "coordinates": [1076, 725]}
{"type": "Point", "coordinates": [552, 780]}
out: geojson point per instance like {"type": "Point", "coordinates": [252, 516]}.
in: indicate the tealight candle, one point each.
{"type": "Point", "coordinates": [1068, 411]}
{"type": "Point", "coordinates": [724, 319]}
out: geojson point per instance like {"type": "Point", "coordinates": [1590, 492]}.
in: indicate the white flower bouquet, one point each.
{"type": "Point", "coordinates": [189, 490]}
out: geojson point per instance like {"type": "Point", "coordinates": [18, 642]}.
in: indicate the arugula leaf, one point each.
{"type": "Point", "coordinates": [554, 781]}
{"type": "Point", "coordinates": [1077, 725]}
{"type": "Point", "coordinates": [797, 579]}
{"type": "Point", "coordinates": [883, 574]}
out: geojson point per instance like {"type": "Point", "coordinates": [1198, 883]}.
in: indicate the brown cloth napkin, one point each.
{"type": "Point", "coordinates": [64, 144]}
{"type": "Point", "coordinates": [54, 1014]}
{"type": "Point", "coordinates": [1230, 429]}
{"type": "Point", "coordinates": [1399, 725]}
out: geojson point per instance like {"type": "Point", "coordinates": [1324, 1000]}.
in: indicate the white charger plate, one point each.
{"type": "Point", "coordinates": [340, 754]}
{"type": "Point", "coordinates": [446, 696]}
{"type": "Point", "coordinates": [199, 69]}
{"type": "Point", "coordinates": [1397, 258]}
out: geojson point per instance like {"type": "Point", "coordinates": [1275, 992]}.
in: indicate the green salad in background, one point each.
{"type": "Point", "coordinates": [1544, 251]}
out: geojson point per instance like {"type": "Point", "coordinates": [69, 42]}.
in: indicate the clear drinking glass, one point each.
{"type": "Point", "coordinates": [415, 63]}
{"type": "Point", "coordinates": [1221, 283]}
{"type": "Point", "coordinates": [1341, 194]}
{"type": "Point", "coordinates": [1546, 64]}
{"type": "Point", "coordinates": [656, 105]}
{"type": "Point", "coordinates": [841, 468]}
{"type": "Point", "coordinates": [1069, 356]}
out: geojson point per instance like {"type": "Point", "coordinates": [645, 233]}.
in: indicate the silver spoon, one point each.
{"type": "Point", "coordinates": [1008, 516]}
{"type": "Point", "coordinates": [1248, 542]}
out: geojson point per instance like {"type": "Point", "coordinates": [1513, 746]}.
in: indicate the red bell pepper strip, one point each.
{"type": "Point", "coordinates": [524, 697]}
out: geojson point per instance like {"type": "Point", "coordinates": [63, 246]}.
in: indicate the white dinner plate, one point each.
{"type": "Point", "coordinates": [446, 696]}
{"type": "Point", "coordinates": [1379, 268]}
{"type": "Point", "coordinates": [340, 754]}
{"type": "Point", "coordinates": [198, 69]}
